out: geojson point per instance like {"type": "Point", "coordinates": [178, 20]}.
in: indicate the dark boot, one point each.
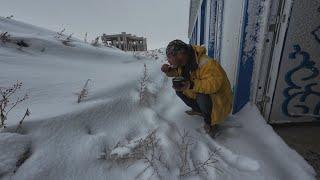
{"type": "Point", "coordinates": [214, 131]}
{"type": "Point", "coordinates": [193, 112]}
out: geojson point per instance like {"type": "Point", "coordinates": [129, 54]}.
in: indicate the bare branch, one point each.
{"type": "Point", "coordinates": [85, 37]}
{"type": "Point", "coordinates": [18, 101]}
{"type": "Point", "coordinates": [143, 85]}
{"type": "Point", "coordinates": [60, 33]}
{"type": "Point", "coordinates": [6, 101]}
{"type": "Point", "coordinates": [66, 40]}
{"type": "Point", "coordinates": [95, 42]}
{"type": "Point", "coordinates": [202, 167]}
{"type": "Point", "coordinates": [146, 149]}
{"type": "Point", "coordinates": [84, 91]}
{"type": "Point", "coordinates": [27, 113]}
{"type": "Point", "coordinates": [5, 37]}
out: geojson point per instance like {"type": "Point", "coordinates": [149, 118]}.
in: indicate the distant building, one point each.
{"type": "Point", "coordinates": [126, 42]}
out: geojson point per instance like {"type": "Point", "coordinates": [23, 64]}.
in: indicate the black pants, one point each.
{"type": "Point", "coordinates": [202, 104]}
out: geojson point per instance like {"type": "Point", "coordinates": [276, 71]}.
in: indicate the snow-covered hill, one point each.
{"type": "Point", "coordinates": [117, 132]}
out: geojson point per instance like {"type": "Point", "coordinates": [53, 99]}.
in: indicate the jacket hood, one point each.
{"type": "Point", "coordinates": [199, 50]}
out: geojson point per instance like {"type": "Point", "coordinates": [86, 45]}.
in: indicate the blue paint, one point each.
{"type": "Point", "coordinates": [196, 32]}
{"type": "Point", "coordinates": [316, 34]}
{"type": "Point", "coordinates": [246, 57]}
{"type": "Point", "coordinates": [241, 99]}
{"type": "Point", "coordinates": [242, 93]}
{"type": "Point", "coordinates": [213, 50]}
{"type": "Point", "coordinates": [203, 22]}
{"type": "Point", "coordinates": [303, 92]}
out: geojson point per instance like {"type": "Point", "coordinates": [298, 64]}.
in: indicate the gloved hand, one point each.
{"type": "Point", "coordinates": [165, 68]}
{"type": "Point", "coordinates": [185, 86]}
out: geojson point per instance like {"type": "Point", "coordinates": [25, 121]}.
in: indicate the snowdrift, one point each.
{"type": "Point", "coordinates": [130, 126]}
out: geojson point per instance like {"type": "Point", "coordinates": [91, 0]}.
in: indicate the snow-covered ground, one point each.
{"type": "Point", "coordinates": [112, 134]}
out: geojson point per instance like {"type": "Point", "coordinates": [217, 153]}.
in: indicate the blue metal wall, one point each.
{"type": "Point", "coordinates": [245, 69]}
{"type": "Point", "coordinates": [247, 53]}
{"type": "Point", "coordinates": [203, 21]}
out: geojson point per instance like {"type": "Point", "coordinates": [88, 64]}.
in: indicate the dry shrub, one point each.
{"type": "Point", "coordinates": [60, 33]}
{"type": "Point", "coordinates": [146, 149]}
{"type": "Point", "coordinates": [95, 42]}
{"type": "Point", "coordinates": [8, 100]}
{"type": "Point", "coordinates": [5, 37]}
{"type": "Point", "coordinates": [200, 167]}
{"type": "Point", "coordinates": [85, 37]}
{"type": "Point", "coordinates": [9, 17]}
{"type": "Point", "coordinates": [184, 146]}
{"type": "Point", "coordinates": [143, 82]}
{"type": "Point", "coordinates": [84, 91]}
{"type": "Point", "coordinates": [19, 127]}
{"type": "Point", "coordinates": [66, 40]}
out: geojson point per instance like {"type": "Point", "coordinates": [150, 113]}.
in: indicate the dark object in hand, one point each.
{"type": "Point", "coordinates": [178, 82]}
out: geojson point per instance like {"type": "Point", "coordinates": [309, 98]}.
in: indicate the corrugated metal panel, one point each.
{"type": "Point", "coordinates": [193, 13]}
{"type": "Point", "coordinates": [203, 24]}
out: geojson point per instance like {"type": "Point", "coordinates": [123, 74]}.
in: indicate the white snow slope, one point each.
{"type": "Point", "coordinates": [66, 140]}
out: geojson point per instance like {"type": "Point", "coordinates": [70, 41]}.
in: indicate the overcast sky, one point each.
{"type": "Point", "coordinates": [158, 20]}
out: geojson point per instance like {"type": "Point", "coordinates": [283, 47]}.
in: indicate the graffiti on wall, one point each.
{"type": "Point", "coordinates": [301, 89]}
{"type": "Point", "coordinates": [316, 34]}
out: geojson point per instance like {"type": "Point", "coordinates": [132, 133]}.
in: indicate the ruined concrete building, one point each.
{"type": "Point", "coordinates": [126, 42]}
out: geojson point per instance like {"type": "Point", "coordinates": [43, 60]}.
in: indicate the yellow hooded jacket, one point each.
{"type": "Point", "coordinates": [209, 78]}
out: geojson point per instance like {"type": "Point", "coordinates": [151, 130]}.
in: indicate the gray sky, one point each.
{"type": "Point", "coordinates": [158, 20]}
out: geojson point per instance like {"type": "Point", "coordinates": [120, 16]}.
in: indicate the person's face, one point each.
{"type": "Point", "coordinates": [178, 60]}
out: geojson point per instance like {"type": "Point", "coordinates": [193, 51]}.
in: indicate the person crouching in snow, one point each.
{"type": "Point", "coordinates": [200, 82]}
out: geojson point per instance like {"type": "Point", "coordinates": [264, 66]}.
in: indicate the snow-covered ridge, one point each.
{"type": "Point", "coordinates": [112, 133]}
